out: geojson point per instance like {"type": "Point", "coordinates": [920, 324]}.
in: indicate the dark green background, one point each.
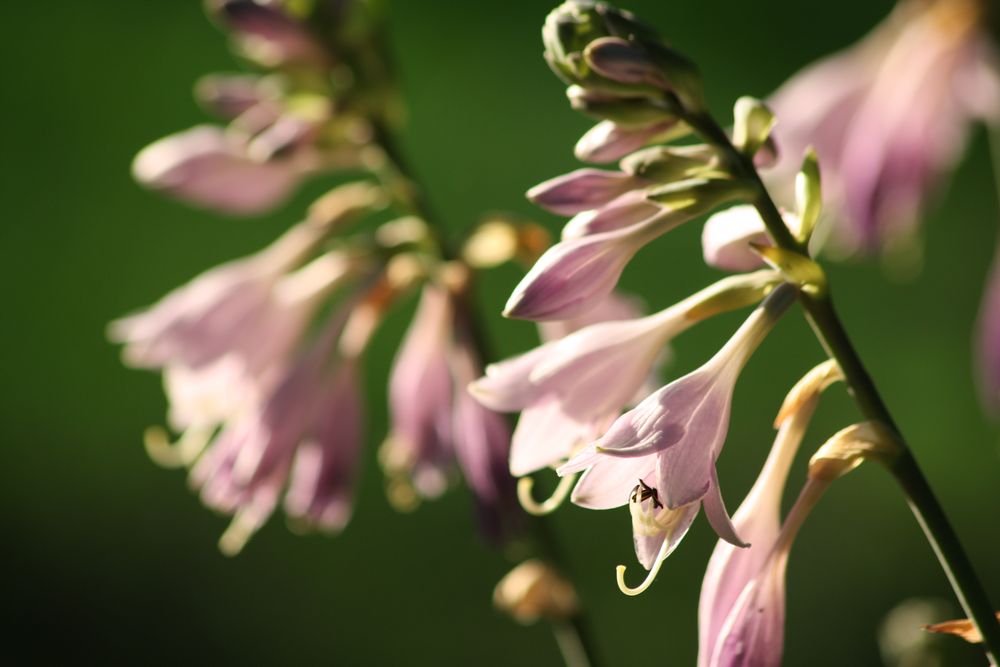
{"type": "Point", "coordinates": [108, 559]}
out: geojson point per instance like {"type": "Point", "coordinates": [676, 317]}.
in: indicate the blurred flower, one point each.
{"type": "Point", "coordinates": [266, 32]}
{"type": "Point", "coordinates": [435, 423]}
{"type": "Point", "coordinates": [305, 435]}
{"type": "Point", "coordinates": [669, 442]}
{"type": "Point", "coordinates": [420, 398]}
{"type": "Point", "coordinates": [889, 116]}
{"type": "Point", "coordinates": [534, 590]}
{"type": "Point", "coordinates": [212, 168]}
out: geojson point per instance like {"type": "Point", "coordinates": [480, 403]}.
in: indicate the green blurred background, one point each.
{"type": "Point", "coordinates": [108, 559]}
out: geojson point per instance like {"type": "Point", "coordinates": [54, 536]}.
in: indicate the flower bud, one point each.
{"type": "Point", "coordinates": [607, 141]}
{"type": "Point", "coordinates": [625, 111]}
{"type": "Point", "coordinates": [808, 195]}
{"type": "Point", "coordinates": [753, 121]}
{"type": "Point", "coordinates": [700, 194]}
{"type": "Point", "coordinates": [850, 447]}
{"type": "Point", "coordinates": [669, 163]}
{"type": "Point", "coordinates": [534, 590]}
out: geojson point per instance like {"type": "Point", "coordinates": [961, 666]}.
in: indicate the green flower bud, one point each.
{"type": "Point", "coordinates": [670, 163]}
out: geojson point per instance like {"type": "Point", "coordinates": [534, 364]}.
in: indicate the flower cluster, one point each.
{"type": "Point", "coordinates": [585, 399]}
{"type": "Point", "coordinates": [261, 356]}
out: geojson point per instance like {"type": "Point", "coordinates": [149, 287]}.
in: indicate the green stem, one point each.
{"type": "Point", "coordinates": [832, 335]}
{"type": "Point", "coordinates": [572, 635]}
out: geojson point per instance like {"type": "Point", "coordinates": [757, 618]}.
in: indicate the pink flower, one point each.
{"type": "Point", "coordinates": [254, 308]}
{"type": "Point", "coordinates": [420, 397]}
{"type": "Point", "coordinates": [609, 142]}
{"type": "Point", "coordinates": [624, 211]}
{"type": "Point", "coordinates": [303, 435]}
{"type": "Point", "coordinates": [669, 444]}
{"type": "Point", "coordinates": [435, 422]}
{"type": "Point", "coordinates": [266, 33]}
{"type": "Point", "coordinates": [571, 388]}
{"type": "Point", "coordinates": [731, 570]}
{"type": "Point", "coordinates": [581, 190]}
{"type": "Point", "coordinates": [482, 444]}
{"type": "Point", "coordinates": [574, 275]}
{"type": "Point", "coordinates": [209, 167]}
{"type": "Point", "coordinates": [889, 116]}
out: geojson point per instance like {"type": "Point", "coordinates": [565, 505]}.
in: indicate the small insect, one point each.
{"type": "Point", "coordinates": [643, 491]}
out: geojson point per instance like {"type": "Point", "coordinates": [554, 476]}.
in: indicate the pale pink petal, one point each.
{"type": "Point", "coordinates": [581, 190]}
{"type": "Point", "coordinates": [204, 166]}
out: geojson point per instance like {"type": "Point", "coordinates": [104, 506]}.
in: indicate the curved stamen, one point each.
{"type": "Point", "coordinates": [178, 454]}
{"type": "Point", "coordinates": [550, 504]}
{"type": "Point", "coordinates": [650, 576]}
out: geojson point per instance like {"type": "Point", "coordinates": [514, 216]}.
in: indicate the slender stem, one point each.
{"type": "Point", "coordinates": [831, 333]}
{"type": "Point", "coordinates": [572, 635]}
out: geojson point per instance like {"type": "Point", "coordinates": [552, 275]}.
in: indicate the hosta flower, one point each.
{"type": "Point", "coordinates": [758, 519]}
{"type": "Point", "coordinates": [302, 436]}
{"type": "Point", "coordinates": [210, 167]}
{"type": "Point", "coordinates": [608, 141]}
{"type": "Point", "coordinates": [251, 308]}
{"type": "Point", "coordinates": [482, 444]}
{"type": "Point", "coordinates": [576, 274]}
{"type": "Point", "coordinates": [570, 389]}
{"type": "Point", "coordinates": [268, 33]}
{"type": "Point", "coordinates": [420, 397]}
{"type": "Point", "coordinates": [669, 444]}
{"type": "Point", "coordinates": [435, 423]}
{"type": "Point", "coordinates": [889, 116]}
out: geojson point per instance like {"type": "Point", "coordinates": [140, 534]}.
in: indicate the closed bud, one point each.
{"type": "Point", "coordinates": [619, 60]}
{"type": "Point", "coordinates": [700, 194]}
{"type": "Point", "coordinates": [752, 123]}
{"type": "Point", "coordinates": [625, 111]}
{"type": "Point", "coordinates": [669, 163]}
{"type": "Point", "coordinates": [808, 195]}
{"type": "Point", "coordinates": [850, 447]}
{"type": "Point", "coordinates": [344, 204]}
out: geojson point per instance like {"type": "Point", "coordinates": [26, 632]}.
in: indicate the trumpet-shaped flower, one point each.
{"type": "Point", "coordinates": [671, 441]}
{"type": "Point", "coordinates": [303, 435]}
{"type": "Point", "coordinates": [758, 519]}
{"type": "Point", "coordinates": [421, 395]}
{"type": "Point", "coordinates": [209, 167]}
{"type": "Point", "coordinates": [889, 116]}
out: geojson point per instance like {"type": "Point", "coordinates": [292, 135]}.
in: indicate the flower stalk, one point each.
{"type": "Point", "coordinates": [825, 322]}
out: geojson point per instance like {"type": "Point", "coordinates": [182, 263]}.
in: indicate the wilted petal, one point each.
{"type": "Point", "coordinates": [581, 190]}
{"type": "Point", "coordinates": [203, 166]}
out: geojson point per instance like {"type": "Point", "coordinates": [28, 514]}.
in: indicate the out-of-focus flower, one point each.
{"type": "Point", "coordinates": [266, 32]}
{"type": "Point", "coordinates": [304, 435]}
{"type": "Point", "coordinates": [212, 168]}
{"type": "Point", "coordinates": [420, 398]}
{"type": "Point", "coordinates": [435, 423]}
{"type": "Point", "coordinates": [758, 518]}
{"type": "Point", "coordinates": [889, 116]}
{"type": "Point", "coordinates": [534, 590]}
{"type": "Point", "coordinates": [669, 444]}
